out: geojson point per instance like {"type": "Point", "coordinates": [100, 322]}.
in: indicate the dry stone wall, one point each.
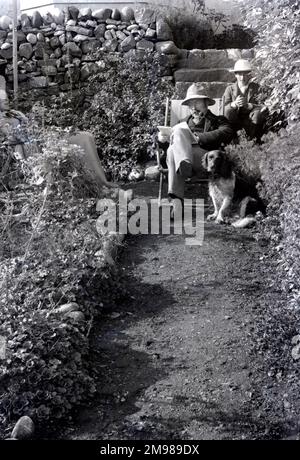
{"type": "Point", "coordinates": [63, 49]}
{"type": "Point", "coordinates": [59, 53]}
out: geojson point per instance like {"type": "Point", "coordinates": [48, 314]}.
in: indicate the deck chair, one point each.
{"type": "Point", "coordinates": [176, 112]}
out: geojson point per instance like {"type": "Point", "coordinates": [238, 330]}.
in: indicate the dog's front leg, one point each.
{"type": "Point", "coordinates": [216, 209]}
{"type": "Point", "coordinates": [224, 208]}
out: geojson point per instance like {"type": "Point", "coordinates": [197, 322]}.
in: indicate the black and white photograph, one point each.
{"type": "Point", "coordinates": [150, 225]}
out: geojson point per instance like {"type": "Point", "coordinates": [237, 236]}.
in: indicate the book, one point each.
{"type": "Point", "coordinates": [165, 130]}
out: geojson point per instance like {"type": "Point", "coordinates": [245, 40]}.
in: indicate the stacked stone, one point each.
{"type": "Point", "coordinates": [57, 50]}
{"type": "Point", "coordinates": [211, 67]}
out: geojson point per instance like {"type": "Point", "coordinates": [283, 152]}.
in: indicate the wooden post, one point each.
{"type": "Point", "coordinates": [167, 112]}
{"type": "Point", "coordinates": [161, 177]}
{"type": "Point", "coordinates": [15, 52]}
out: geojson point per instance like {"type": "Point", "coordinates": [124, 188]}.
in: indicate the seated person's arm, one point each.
{"type": "Point", "coordinates": [254, 101]}
{"type": "Point", "coordinates": [237, 103]}
{"type": "Point", "coordinates": [228, 100]}
{"type": "Point", "coordinates": [223, 134]}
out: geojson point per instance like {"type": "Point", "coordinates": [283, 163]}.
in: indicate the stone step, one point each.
{"type": "Point", "coordinates": [204, 75]}
{"type": "Point", "coordinates": [212, 58]}
{"type": "Point", "coordinates": [214, 89]}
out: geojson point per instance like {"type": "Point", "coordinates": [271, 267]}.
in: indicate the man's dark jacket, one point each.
{"type": "Point", "coordinates": [216, 133]}
{"type": "Point", "coordinates": [232, 91]}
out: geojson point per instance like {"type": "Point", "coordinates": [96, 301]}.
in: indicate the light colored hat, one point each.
{"type": "Point", "coordinates": [196, 92]}
{"type": "Point", "coordinates": [242, 65]}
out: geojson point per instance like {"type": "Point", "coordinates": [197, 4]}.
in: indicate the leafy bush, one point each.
{"type": "Point", "coordinates": [189, 30]}
{"type": "Point", "coordinates": [47, 258]}
{"type": "Point", "coordinates": [281, 176]}
{"type": "Point", "coordinates": [277, 164]}
{"type": "Point", "coordinates": [235, 36]}
{"type": "Point", "coordinates": [194, 26]}
{"type": "Point", "coordinates": [246, 156]}
{"type": "Point", "coordinates": [277, 26]}
{"type": "Point", "coordinates": [127, 102]}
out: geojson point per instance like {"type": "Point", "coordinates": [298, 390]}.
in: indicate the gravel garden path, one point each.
{"type": "Point", "coordinates": [179, 359]}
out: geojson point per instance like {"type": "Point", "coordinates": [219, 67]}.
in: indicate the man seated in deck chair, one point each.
{"type": "Point", "coordinates": [242, 107]}
{"type": "Point", "coordinates": [202, 131]}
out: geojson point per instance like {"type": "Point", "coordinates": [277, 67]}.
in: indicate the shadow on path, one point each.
{"type": "Point", "coordinates": [176, 360]}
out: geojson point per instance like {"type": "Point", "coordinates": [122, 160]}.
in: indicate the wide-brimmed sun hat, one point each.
{"type": "Point", "coordinates": [242, 65]}
{"type": "Point", "coordinates": [196, 92]}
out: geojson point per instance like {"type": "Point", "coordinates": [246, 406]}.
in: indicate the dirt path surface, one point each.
{"type": "Point", "coordinates": [177, 361]}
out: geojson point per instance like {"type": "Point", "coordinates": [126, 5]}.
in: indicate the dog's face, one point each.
{"type": "Point", "coordinates": [213, 161]}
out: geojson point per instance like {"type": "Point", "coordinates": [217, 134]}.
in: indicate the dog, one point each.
{"type": "Point", "coordinates": [227, 189]}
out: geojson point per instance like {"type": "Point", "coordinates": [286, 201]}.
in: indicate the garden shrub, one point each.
{"type": "Point", "coordinates": [127, 102]}
{"type": "Point", "coordinates": [235, 36]}
{"type": "Point", "coordinates": [47, 258]}
{"type": "Point", "coordinates": [276, 163]}
{"type": "Point", "coordinates": [190, 31]}
{"type": "Point", "coordinates": [246, 155]}
{"type": "Point", "coordinates": [277, 26]}
{"type": "Point", "coordinates": [195, 26]}
{"type": "Point", "coordinates": [281, 176]}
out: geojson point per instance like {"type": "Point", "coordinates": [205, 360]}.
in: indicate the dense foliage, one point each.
{"type": "Point", "coordinates": [195, 26]}
{"type": "Point", "coordinates": [126, 103]}
{"type": "Point", "coordinates": [276, 164]}
{"type": "Point", "coordinates": [47, 258]}
{"type": "Point", "coordinates": [280, 168]}
{"type": "Point", "coordinates": [48, 239]}
{"type": "Point", "coordinates": [277, 24]}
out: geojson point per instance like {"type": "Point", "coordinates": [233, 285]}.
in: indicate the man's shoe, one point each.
{"type": "Point", "coordinates": [185, 169]}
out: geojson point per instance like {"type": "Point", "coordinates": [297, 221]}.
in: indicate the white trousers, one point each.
{"type": "Point", "coordinates": [182, 148]}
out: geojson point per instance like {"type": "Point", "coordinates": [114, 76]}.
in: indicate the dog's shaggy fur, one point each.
{"type": "Point", "coordinates": [226, 189]}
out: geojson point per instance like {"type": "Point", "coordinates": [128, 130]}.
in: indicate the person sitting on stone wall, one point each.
{"type": "Point", "coordinates": [241, 101]}
{"type": "Point", "coordinates": [200, 132]}
{"type": "Point", "coordinates": [11, 122]}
